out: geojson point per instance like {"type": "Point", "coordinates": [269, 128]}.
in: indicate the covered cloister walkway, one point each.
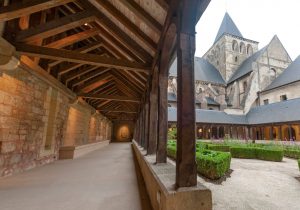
{"type": "Point", "coordinates": [103, 179]}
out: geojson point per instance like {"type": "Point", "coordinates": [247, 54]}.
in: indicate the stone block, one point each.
{"type": "Point", "coordinates": [8, 146]}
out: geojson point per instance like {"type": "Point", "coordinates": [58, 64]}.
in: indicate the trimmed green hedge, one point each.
{"type": "Point", "coordinates": [270, 154]}
{"type": "Point", "coordinates": [292, 153]}
{"type": "Point", "coordinates": [213, 164]}
{"type": "Point", "coordinates": [299, 164]}
{"type": "Point", "coordinates": [218, 147]}
{"type": "Point", "coordinates": [243, 152]}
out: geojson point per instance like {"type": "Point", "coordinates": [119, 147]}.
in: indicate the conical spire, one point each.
{"type": "Point", "coordinates": [228, 27]}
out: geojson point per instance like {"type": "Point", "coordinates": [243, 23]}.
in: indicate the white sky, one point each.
{"type": "Point", "coordinates": [258, 20]}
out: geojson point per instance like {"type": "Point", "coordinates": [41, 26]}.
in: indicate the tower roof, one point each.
{"type": "Point", "coordinates": [228, 27]}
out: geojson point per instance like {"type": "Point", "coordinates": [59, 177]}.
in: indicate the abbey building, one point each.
{"type": "Point", "coordinates": [236, 79]}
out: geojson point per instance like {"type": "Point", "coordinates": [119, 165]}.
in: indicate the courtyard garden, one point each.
{"type": "Point", "coordinates": [213, 157]}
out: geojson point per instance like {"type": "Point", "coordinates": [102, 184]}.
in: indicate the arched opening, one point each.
{"type": "Point", "coordinates": [245, 85]}
{"type": "Point", "coordinates": [221, 132]}
{"type": "Point", "coordinates": [242, 48]}
{"type": "Point", "coordinates": [249, 49]}
{"type": "Point", "coordinates": [235, 59]}
{"type": "Point", "coordinates": [272, 74]}
{"type": "Point", "coordinates": [235, 46]}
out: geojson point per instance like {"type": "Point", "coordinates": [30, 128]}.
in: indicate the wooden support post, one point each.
{"type": "Point", "coordinates": [161, 153]}
{"type": "Point", "coordinates": [146, 123]}
{"type": "Point", "coordinates": [152, 138]}
{"type": "Point", "coordinates": [218, 132]}
{"type": "Point", "coordinates": [186, 168]}
{"type": "Point", "coordinates": [230, 132]}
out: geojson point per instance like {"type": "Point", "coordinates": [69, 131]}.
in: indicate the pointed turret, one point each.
{"type": "Point", "coordinates": [228, 27]}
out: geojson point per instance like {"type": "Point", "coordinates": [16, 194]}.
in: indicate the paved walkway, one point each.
{"type": "Point", "coordinates": [102, 180]}
{"type": "Point", "coordinates": [258, 185]}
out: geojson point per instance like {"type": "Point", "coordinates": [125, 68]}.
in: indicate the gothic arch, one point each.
{"type": "Point", "coordinates": [235, 46]}
{"type": "Point", "coordinates": [249, 49]}
{"type": "Point", "coordinates": [272, 74]}
{"type": "Point", "coordinates": [242, 48]}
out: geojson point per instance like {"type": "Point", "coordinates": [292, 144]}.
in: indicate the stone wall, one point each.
{"type": "Point", "coordinates": [273, 96]}
{"type": "Point", "coordinates": [29, 134]}
{"type": "Point", "coordinates": [37, 118]}
{"type": "Point", "coordinates": [123, 131]}
{"type": "Point", "coordinates": [85, 125]}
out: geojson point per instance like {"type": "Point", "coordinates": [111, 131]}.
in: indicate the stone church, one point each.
{"type": "Point", "coordinates": [235, 78]}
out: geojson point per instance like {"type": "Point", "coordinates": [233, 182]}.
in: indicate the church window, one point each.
{"type": "Point", "coordinates": [266, 101]}
{"type": "Point", "coordinates": [249, 49]}
{"type": "Point", "coordinates": [283, 98]}
{"type": "Point", "coordinates": [242, 48]}
{"type": "Point", "coordinates": [235, 46]}
{"type": "Point", "coordinates": [245, 86]}
{"type": "Point", "coordinates": [236, 59]}
{"type": "Point", "coordinates": [273, 72]}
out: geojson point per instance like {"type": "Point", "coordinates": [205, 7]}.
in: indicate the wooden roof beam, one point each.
{"type": "Point", "coordinates": [117, 111]}
{"type": "Point", "coordinates": [55, 27]}
{"type": "Point", "coordinates": [111, 97]}
{"type": "Point", "coordinates": [91, 59]}
{"type": "Point", "coordinates": [126, 22]}
{"type": "Point", "coordinates": [141, 13]}
{"type": "Point", "coordinates": [114, 30]}
{"type": "Point", "coordinates": [24, 8]}
{"type": "Point", "coordinates": [61, 43]}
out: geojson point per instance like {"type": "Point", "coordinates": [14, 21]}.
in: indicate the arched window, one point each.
{"type": "Point", "coordinates": [245, 85]}
{"type": "Point", "coordinates": [236, 59]}
{"type": "Point", "coordinates": [235, 46]}
{"type": "Point", "coordinates": [249, 49]}
{"type": "Point", "coordinates": [242, 48]}
{"type": "Point", "coordinates": [272, 74]}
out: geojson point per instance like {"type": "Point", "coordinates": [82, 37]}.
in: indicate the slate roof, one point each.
{"type": "Point", "coordinates": [204, 71]}
{"type": "Point", "coordinates": [210, 116]}
{"type": "Point", "coordinates": [246, 66]}
{"type": "Point", "coordinates": [285, 111]}
{"type": "Point", "coordinates": [289, 75]}
{"type": "Point", "coordinates": [172, 97]}
{"type": "Point", "coordinates": [211, 101]}
{"type": "Point", "coordinates": [228, 27]}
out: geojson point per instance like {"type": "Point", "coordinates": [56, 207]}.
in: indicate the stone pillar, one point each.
{"type": "Point", "coordinates": [230, 132]}
{"type": "Point", "coordinates": [152, 139]}
{"type": "Point", "coordinates": [271, 133]}
{"type": "Point", "coordinates": [290, 132]}
{"type": "Point", "coordinates": [186, 168]}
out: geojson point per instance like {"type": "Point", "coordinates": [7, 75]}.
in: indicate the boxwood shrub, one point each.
{"type": "Point", "coordinates": [270, 154]}
{"type": "Point", "coordinates": [213, 164]}
{"type": "Point", "coordinates": [218, 147]}
{"type": "Point", "coordinates": [243, 152]}
{"type": "Point", "coordinates": [292, 153]}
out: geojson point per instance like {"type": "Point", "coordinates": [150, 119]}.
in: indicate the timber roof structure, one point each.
{"type": "Point", "coordinates": [103, 51]}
